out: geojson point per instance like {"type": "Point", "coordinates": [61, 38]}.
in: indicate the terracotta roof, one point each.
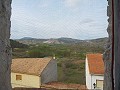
{"type": "Point", "coordinates": [95, 63]}
{"type": "Point", "coordinates": [32, 66]}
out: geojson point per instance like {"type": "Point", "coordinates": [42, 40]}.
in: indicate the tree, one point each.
{"type": "Point", "coordinates": [15, 44]}
{"type": "Point", "coordinates": [5, 49]}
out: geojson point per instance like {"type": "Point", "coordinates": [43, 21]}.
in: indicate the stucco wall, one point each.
{"type": "Point", "coordinates": [117, 44]}
{"type": "Point", "coordinates": [94, 78]}
{"type": "Point", "coordinates": [88, 77]}
{"type": "Point", "coordinates": [28, 81]}
{"type": "Point", "coordinates": [108, 52]}
{"type": "Point", "coordinates": [91, 79]}
{"type": "Point", "coordinates": [5, 49]}
{"type": "Point", "coordinates": [50, 72]}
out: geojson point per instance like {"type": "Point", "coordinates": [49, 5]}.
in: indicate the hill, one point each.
{"type": "Point", "coordinates": [69, 40]}
{"type": "Point", "coordinates": [32, 41]}
{"type": "Point", "coordinates": [27, 38]}
{"type": "Point", "coordinates": [15, 44]}
{"type": "Point", "coordinates": [70, 54]}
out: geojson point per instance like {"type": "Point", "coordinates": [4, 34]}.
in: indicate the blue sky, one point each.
{"type": "Point", "coordinates": [80, 19]}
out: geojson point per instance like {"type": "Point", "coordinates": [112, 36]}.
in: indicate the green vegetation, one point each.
{"type": "Point", "coordinates": [71, 72]}
{"type": "Point", "coordinates": [15, 44]}
{"type": "Point", "coordinates": [70, 57]}
{"type": "Point", "coordinates": [18, 49]}
{"type": "Point", "coordinates": [72, 51]}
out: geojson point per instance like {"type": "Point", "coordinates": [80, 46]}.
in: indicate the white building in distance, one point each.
{"type": "Point", "coordinates": [94, 71]}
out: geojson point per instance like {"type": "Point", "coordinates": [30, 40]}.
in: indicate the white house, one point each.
{"type": "Point", "coordinates": [33, 72]}
{"type": "Point", "coordinates": [94, 71]}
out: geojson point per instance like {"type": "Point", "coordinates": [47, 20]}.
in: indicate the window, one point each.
{"type": "Point", "coordinates": [99, 83]}
{"type": "Point", "coordinates": [18, 77]}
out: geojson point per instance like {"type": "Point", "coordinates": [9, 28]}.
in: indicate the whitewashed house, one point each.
{"type": "Point", "coordinates": [94, 71]}
{"type": "Point", "coordinates": [33, 72]}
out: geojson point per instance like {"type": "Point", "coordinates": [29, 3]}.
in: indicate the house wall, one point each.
{"type": "Point", "coordinates": [50, 72]}
{"type": "Point", "coordinates": [95, 78]}
{"type": "Point", "coordinates": [88, 77]}
{"type": "Point", "coordinates": [28, 81]}
{"type": "Point", "coordinates": [91, 79]}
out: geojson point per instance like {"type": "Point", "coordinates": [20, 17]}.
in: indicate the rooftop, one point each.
{"type": "Point", "coordinates": [95, 63]}
{"type": "Point", "coordinates": [31, 66]}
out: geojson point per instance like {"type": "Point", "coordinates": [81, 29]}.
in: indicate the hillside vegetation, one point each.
{"type": "Point", "coordinates": [70, 56]}
{"type": "Point", "coordinates": [15, 44]}
{"type": "Point", "coordinates": [33, 41]}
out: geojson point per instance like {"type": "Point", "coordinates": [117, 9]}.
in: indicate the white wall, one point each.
{"type": "Point", "coordinates": [88, 76]}
{"type": "Point", "coordinates": [91, 79]}
{"type": "Point", "coordinates": [29, 81]}
{"type": "Point", "coordinates": [94, 78]}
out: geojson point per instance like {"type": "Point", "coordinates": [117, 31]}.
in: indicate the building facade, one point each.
{"type": "Point", "coordinates": [94, 71]}
{"type": "Point", "coordinates": [33, 72]}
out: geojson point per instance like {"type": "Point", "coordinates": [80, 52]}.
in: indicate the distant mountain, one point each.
{"type": "Point", "coordinates": [53, 41]}
{"type": "Point", "coordinates": [29, 40]}
{"type": "Point", "coordinates": [96, 42]}
{"type": "Point", "coordinates": [69, 40]}
{"type": "Point", "coordinates": [100, 40]}
{"type": "Point", "coordinates": [15, 44]}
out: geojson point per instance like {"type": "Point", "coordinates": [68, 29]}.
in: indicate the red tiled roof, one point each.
{"type": "Point", "coordinates": [95, 63]}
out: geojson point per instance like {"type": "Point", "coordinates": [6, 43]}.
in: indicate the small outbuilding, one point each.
{"type": "Point", "coordinates": [94, 71]}
{"type": "Point", "coordinates": [33, 72]}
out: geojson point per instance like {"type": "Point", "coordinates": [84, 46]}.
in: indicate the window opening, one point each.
{"type": "Point", "coordinates": [67, 30]}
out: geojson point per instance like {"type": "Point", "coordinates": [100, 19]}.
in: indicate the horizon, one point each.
{"type": "Point", "coordinates": [76, 19]}
{"type": "Point", "coordinates": [57, 38]}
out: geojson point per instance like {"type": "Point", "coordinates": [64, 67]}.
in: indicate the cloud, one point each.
{"type": "Point", "coordinates": [72, 3]}
{"type": "Point", "coordinates": [43, 5]}
{"type": "Point", "coordinates": [49, 20]}
{"type": "Point", "coordinates": [87, 20]}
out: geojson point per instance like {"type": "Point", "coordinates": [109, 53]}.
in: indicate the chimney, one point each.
{"type": "Point", "coordinates": [54, 56]}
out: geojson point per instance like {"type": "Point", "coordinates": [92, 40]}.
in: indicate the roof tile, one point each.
{"type": "Point", "coordinates": [95, 63]}
{"type": "Point", "coordinates": [32, 66]}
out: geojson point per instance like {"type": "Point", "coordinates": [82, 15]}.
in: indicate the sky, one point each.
{"type": "Point", "coordinates": [79, 19]}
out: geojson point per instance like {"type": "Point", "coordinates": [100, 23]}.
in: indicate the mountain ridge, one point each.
{"type": "Point", "coordinates": [62, 40]}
